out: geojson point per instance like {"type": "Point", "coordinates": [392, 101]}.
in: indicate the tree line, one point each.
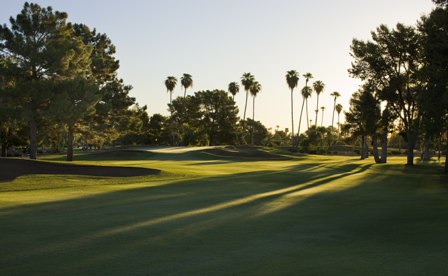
{"type": "Point", "coordinates": [58, 80]}
{"type": "Point", "coordinates": [60, 89]}
{"type": "Point", "coordinates": [405, 80]}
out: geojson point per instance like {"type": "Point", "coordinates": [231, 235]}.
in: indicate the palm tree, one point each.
{"type": "Point", "coordinates": [255, 88]}
{"type": "Point", "coordinates": [339, 110]}
{"type": "Point", "coordinates": [234, 88]}
{"type": "Point", "coordinates": [292, 79]}
{"type": "Point", "coordinates": [246, 80]}
{"type": "Point", "coordinates": [187, 81]}
{"type": "Point", "coordinates": [170, 84]}
{"type": "Point", "coordinates": [322, 122]}
{"type": "Point", "coordinates": [319, 87]}
{"type": "Point", "coordinates": [335, 94]}
{"type": "Point", "coordinates": [307, 77]}
{"type": "Point", "coordinates": [306, 92]}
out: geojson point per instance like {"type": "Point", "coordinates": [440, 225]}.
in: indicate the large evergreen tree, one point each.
{"type": "Point", "coordinates": [434, 28]}
{"type": "Point", "coordinates": [43, 47]}
{"type": "Point", "coordinates": [391, 62]}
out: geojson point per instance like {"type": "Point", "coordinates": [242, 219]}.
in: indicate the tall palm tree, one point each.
{"type": "Point", "coordinates": [234, 88]}
{"type": "Point", "coordinates": [339, 110]}
{"type": "Point", "coordinates": [336, 95]}
{"type": "Point", "coordinates": [322, 121]}
{"type": "Point", "coordinates": [255, 88]}
{"type": "Point", "coordinates": [319, 87]}
{"type": "Point", "coordinates": [292, 79]}
{"type": "Point", "coordinates": [170, 84]}
{"type": "Point", "coordinates": [187, 81]}
{"type": "Point", "coordinates": [246, 80]}
{"type": "Point", "coordinates": [306, 92]}
{"type": "Point", "coordinates": [307, 77]}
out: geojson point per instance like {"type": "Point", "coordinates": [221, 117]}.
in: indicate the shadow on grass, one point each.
{"type": "Point", "coordinates": [207, 225]}
{"type": "Point", "coordinates": [11, 168]}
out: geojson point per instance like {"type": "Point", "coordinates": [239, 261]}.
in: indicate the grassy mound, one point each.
{"type": "Point", "coordinates": [245, 152]}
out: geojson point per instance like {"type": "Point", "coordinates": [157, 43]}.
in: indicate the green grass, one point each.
{"type": "Point", "coordinates": [311, 215]}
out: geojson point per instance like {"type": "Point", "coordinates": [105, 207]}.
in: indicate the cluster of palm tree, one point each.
{"type": "Point", "coordinates": [170, 83]}
{"type": "Point", "coordinates": [253, 87]}
{"type": "Point", "coordinates": [292, 79]}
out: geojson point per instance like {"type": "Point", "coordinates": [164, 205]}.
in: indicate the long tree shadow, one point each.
{"type": "Point", "coordinates": [11, 168]}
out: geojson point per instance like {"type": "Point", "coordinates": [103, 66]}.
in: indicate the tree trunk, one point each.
{"type": "Point", "coordinates": [332, 117]}
{"type": "Point", "coordinates": [317, 110]}
{"type": "Point", "coordinates": [33, 138]}
{"type": "Point", "coordinates": [366, 149]}
{"type": "Point", "coordinates": [185, 92]}
{"type": "Point", "coordinates": [253, 122]}
{"type": "Point", "coordinates": [426, 156]}
{"type": "Point", "coordinates": [245, 105]}
{"type": "Point", "coordinates": [384, 147]}
{"type": "Point", "coordinates": [71, 130]}
{"type": "Point", "coordinates": [171, 97]}
{"type": "Point", "coordinates": [446, 154]}
{"type": "Point", "coordinates": [446, 159]}
{"type": "Point", "coordinates": [307, 119]}
{"type": "Point", "coordinates": [292, 120]}
{"type": "Point", "coordinates": [376, 156]}
{"type": "Point", "coordinates": [339, 125]}
{"type": "Point", "coordinates": [300, 122]}
{"type": "Point", "coordinates": [410, 148]}
{"type": "Point", "coordinates": [2, 145]}
{"type": "Point", "coordinates": [322, 121]}
{"type": "Point", "coordinates": [4, 149]}
{"type": "Point", "coordinates": [363, 138]}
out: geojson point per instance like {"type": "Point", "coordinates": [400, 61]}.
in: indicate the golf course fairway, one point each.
{"type": "Point", "coordinates": [211, 214]}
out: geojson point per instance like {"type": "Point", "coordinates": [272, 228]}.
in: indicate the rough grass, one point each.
{"type": "Point", "coordinates": [205, 214]}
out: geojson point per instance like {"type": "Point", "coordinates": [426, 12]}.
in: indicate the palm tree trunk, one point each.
{"type": "Point", "coordinates": [317, 110]}
{"type": "Point", "coordinates": [71, 130]}
{"type": "Point", "coordinates": [245, 105]}
{"type": "Point", "coordinates": [307, 120]}
{"type": "Point", "coordinates": [339, 125]}
{"type": "Point", "coordinates": [322, 120]}
{"type": "Point", "coordinates": [300, 122]}
{"type": "Point", "coordinates": [253, 122]}
{"type": "Point", "coordinates": [185, 92]}
{"type": "Point", "coordinates": [292, 118]}
{"type": "Point", "coordinates": [334, 108]}
{"type": "Point", "coordinates": [171, 97]}
{"type": "Point", "coordinates": [33, 138]}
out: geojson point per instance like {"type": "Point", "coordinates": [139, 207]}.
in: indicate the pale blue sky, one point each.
{"type": "Point", "coordinates": [217, 41]}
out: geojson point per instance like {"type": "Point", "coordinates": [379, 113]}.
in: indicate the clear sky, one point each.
{"type": "Point", "coordinates": [217, 41]}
